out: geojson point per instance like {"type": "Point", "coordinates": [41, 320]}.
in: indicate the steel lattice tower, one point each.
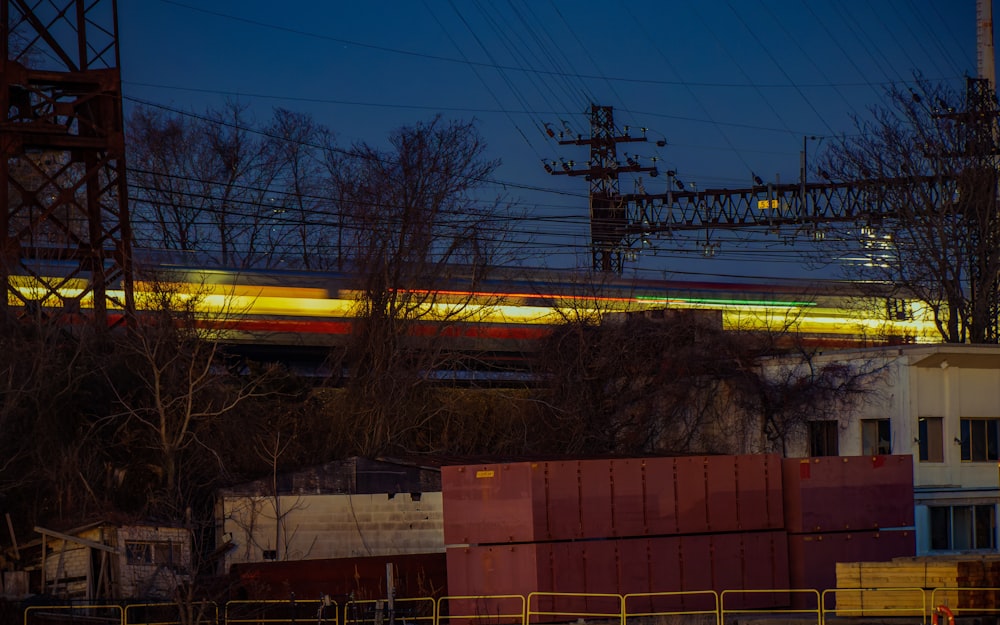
{"type": "Point", "coordinates": [66, 246]}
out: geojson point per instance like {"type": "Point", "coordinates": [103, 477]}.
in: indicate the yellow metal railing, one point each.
{"type": "Point", "coordinates": [281, 612]}
{"type": "Point", "coordinates": [803, 602]}
{"type": "Point", "coordinates": [475, 609]}
{"type": "Point", "coordinates": [867, 602]}
{"type": "Point", "coordinates": [965, 598]}
{"type": "Point", "coordinates": [542, 607]}
{"type": "Point", "coordinates": [97, 614]}
{"type": "Point", "coordinates": [422, 610]}
{"type": "Point", "coordinates": [678, 603]}
{"type": "Point", "coordinates": [553, 606]}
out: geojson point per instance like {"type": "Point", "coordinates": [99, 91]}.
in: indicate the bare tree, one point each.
{"type": "Point", "coordinates": [419, 242]}
{"type": "Point", "coordinates": [636, 384]}
{"type": "Point", "coordinates": [237, 195]}
{"type": "Point", "coordinates": [780, 394]}
{"type": "Point", "coordinates": [306, 216]}
{"type": "Point", "coordinates": [172, 383]}
{"type": "Point", "coordinates": [939, 240]}
{"type": "Point", "coordinates": [679, 381]}
{"type": "Point", "coordinates": [51, 457]}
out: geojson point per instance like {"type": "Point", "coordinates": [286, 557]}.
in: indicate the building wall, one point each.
{"type": "Point", "coordinates": [74, 571]}
{"type": "Point", "coordinates": [331, 526]}
{"type": "Point", "coordinates": [168, 564]}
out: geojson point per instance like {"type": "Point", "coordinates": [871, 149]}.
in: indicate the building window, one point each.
{"type": "Point", "coordinates": [876, 438]}
{"type": "Point", "coordinates": [823, 438]}
{"type": "Point", "coordinates": [979, 439]}
{"type": "Point", "coordinates": [931, 439]}
{"type": "Point", "coordinates": [959, 528]}
{"type": "Point", "coordinates": [153, 552]}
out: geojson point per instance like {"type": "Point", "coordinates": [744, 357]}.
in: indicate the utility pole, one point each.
{"type": "Point", "coordinates": [66, 238]}
{"type": "Point", "coordinates": [608, 220]}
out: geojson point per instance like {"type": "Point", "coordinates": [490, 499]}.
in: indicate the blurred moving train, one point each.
{"type": "Point", "coordinates": [513, 310]}
{"type": "Point", "coordinates": [314, 305]}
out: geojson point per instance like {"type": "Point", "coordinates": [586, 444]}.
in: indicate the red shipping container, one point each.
{"type": "Point", "coordinates": [691, 483]}
{"type": "Point", "coordinates": [628, 508]}
{"type": "Point", "coordinates": [596, 499]}
{"type": "Point", "coordinates": [665, 573]}
{"type": "Point", "coordinates": [601, 576]}
{"type": "Point", "coordinates": [499, 569]}
{"type": "Point", "coordinates": [813, 558]}
{"type": "Point", "coordinates": [727, 561]}
{"type": "Point", "coordinates": [696, 563]}
{"type": "Point", "coordinates": [661, 498]}
{"type": "Point", "coordinates": [765, 566]}
{"type": "Point", "coordinates": [720, 494]}
{"type": "Point", "coordinates": [840, 493]}
{"type": "Point", "coordinates": [494, 503]}
{"type": "Point", "coordinates": [758, 492]}
{"type": "Point", "coordinates": [633, 564]}
{"type": "Point", "coordinates": [568, 567]}
{"type": "Point", "coordinates": [563, 500]}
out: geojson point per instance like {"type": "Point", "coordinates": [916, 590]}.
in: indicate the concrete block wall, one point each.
{"type": "Point", "coordinates": [331, 526]}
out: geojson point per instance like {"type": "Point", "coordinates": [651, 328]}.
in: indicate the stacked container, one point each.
{"type": "Point", "coordinates": [617, 526]}
{"type": "Point", "coordinates": [844, 509]}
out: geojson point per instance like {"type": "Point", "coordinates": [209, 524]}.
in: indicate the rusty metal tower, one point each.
{"type": "Point", "coordinates": [66, 239]}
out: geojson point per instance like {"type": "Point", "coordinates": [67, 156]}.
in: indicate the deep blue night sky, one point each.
{"type": "Point", "coordinates": [733, 87]}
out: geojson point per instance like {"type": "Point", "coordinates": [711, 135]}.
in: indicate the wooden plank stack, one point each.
{"type": "Point", "coordinates": [894, 588]}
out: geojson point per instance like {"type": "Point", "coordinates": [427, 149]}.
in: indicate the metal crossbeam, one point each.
{"type": "Point", "coordinates": [63, 141]}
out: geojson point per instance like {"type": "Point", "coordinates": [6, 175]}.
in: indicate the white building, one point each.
{"type": "Point", "coordinates": [348, 509]}
{"type": "Point", "coordinates": [941, 404]}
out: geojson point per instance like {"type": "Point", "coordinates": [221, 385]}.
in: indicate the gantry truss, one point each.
{"type": "Point", "coordinates": [66, 235]}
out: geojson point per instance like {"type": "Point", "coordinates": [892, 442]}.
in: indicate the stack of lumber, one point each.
{"type": "Point", "coordinates": [914, 586]}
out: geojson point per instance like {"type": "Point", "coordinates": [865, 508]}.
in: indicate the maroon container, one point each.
{"type": "Point", "coordinates": [696, 562]}
{"type": "Point", "coordinates": [494, 503]}
{"type": "Point", "coordinates": [362, 577]}
{"type": "Point", "coordinates": [633, 564]}
{"type": "Point", "coordinates": [564, 487]}
{"type": "Point", "coordinates": [691, 481]}
{"type": "Point", "coordinates": [628, 509]}
{"type": "Point", "coordinates": [765, 566]}
{"type": "Point", "coordinates": [499, 569]}
{"type": "Point", "coordinates": [727, 561]}
{"type": "Point", "coordinates": [813, 558]}
{"type": "Point", "coordinates": [568, 567]}
{"type": "Point", "coordinates": [596, 499]}
{"type": "Point", "coordinates": [841, 493]}
{"type": "Point", "coordinates": [660, 496]}
{"type": "Point", "coordinates": [601, 573]}
{"type": "Point", "coordinates": [665, 573]}
{"type": "Point", "coordinates": [720, 493]}
{"type": "Point", "coordinates": [758, 492]}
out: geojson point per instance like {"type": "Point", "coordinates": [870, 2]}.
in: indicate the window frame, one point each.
{"type": "Point", "coordinates": [968, 527]}
{"type": "Point", "coordinates": [824, 436]}
{"type": "Point", "coordinates": [979, 439]}
{"type": "Point", "coordinates": [878, 448]}
{"type": "Point", "coordinates": [930, 440]}
{"type": "Point", "coordinates": [153, 553]}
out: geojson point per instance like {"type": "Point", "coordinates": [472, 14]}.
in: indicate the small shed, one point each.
{"type": "Point", "coordinates": [113, 561]}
